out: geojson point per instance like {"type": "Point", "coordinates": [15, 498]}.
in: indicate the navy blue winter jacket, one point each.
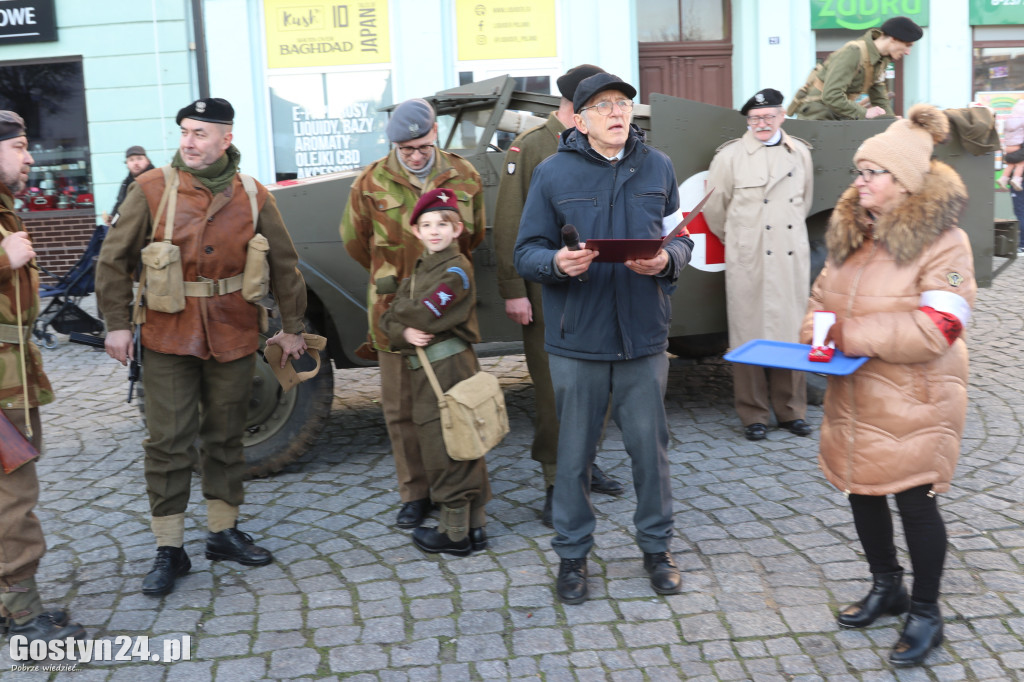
{"type": "Point", "coordinates": [616, 314]}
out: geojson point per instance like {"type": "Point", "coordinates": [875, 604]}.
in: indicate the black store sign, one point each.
{"type": "Point", "coordinates": [27, 21]}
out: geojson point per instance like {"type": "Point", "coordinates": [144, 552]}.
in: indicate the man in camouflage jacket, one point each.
{"type": "Point", "coordinates": [376, 232]}
{"type": "Point", "coordinates": [21, 535]}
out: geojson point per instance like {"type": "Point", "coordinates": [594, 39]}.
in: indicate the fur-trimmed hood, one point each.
{"type": "Point", "coordinates": [908, 229]}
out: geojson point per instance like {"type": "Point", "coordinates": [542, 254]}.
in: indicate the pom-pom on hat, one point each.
{"type": "Point", "coordinates": [210, 109]}
{"type": "Point", "coordinates": [905, 148]}
{"type": "Point", "coordinates": [902, 28]}
{"type": "Point", "coordinates": [570, 80]}
{"type": "Point", "coordinates": [410, 120]}
{"type": "Point", "coordinates": [11, 125]}
{"type": "Point", "coordinates": [435, 200]}
{"type": "Point", "coordinates": [765, 98]}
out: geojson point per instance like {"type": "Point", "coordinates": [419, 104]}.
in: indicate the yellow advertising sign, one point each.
{"type": "Point", "coordinates": [317, 33]}
{"type": "Point", "coordinates": [506, 29]}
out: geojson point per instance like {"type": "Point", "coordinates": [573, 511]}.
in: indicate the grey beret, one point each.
{"type": "Point", "coordinates": [410, 120]}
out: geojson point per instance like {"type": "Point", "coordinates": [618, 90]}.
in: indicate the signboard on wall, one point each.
{"type": "Point", "coordinates": [328, 122]}
{"type": "Point", "coordinates": [993, 12]}
{"type": "Point", "coordinates": [505, 29]}
{"type": "Point", "coordinates": [303, 33]}
{"type": "Point", "coordinates": [860, 15]}
{"type": "Point", "coordinates": [27, 21]}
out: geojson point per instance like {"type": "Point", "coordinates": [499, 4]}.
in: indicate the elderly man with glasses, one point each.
{"type": "Point", "coordinates": [607, 322]}
{"type": "Point", "coordinates": [763, 192]}
{"type": "Point", "coordinates": [376, 231]}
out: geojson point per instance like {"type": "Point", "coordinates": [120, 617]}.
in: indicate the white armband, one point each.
{"type": "Point", "coordinates": [947, 302]}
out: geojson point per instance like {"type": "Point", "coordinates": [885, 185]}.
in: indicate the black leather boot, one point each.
{"type": "Point", "coordinates": [171, 563]}
{"type": "Point", "coordinates": [572, 585]}
{"type": "Point", "coordinates": [232, 544]}
{"type": "Point", "coordinates": [434, 542]}
{"type": "Point", "coordinates": [48, 627]}
{"type": "Point", "coordinates": [888, 595]}
{"type": "Point", "coordinates": [921, 633]}
{"type": "Point", "coordinates": [478, 538]}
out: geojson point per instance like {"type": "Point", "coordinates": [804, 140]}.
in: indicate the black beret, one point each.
{"type": "Point", "coordinates": [570, 80]}
{"type": "Point", "coordinates": [211, 110]}
{"type": "Point", "coordinates": [765, 98]}
{"type": "Point", "coordinates": [135, 150]}
{"type": "Point", "coordinates": [902, 28]}
{"type": "Point", "coordinates": [11, 125]}
{"type": "Point", "coordinates": [599, 83]}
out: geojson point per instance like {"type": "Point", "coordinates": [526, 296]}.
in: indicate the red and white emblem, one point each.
{"type": "Point", "coordinates": [708, 251]}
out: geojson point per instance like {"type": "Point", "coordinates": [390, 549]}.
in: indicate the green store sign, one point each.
{"type": "Point", "coordinates": [860, 15]}
{"type": "Point", "coordinates": [991, 12]}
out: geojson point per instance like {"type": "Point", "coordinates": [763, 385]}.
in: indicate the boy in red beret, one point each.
{"type": "Point", "coordinates": [436, 309]}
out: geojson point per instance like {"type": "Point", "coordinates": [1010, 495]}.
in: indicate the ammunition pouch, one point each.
{"type": "Point", "coordinates": [256, 276]}
{"type": "Point", "coordinates": [165, 284]}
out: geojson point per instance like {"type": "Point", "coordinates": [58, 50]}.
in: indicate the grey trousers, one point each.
{"type": "Point", "coordinates": [637, 389]}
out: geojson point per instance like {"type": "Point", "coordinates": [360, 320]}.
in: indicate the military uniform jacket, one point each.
{"type": "Point", "coordinates": [526, 152]}
{"type": "Point", "coordinates": [11, 391]}
{"type": "Point", "coordinates": [843, 75]}
{"type": "Point", "coordinates": [376, 231]}
{"type": "Point", "coordinates": [212, 233]}
{"type": "Point", "coordinates": [762, 195]}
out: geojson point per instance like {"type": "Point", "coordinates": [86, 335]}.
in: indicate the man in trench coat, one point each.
{"type": "Point", "coordinates": [763, 192]}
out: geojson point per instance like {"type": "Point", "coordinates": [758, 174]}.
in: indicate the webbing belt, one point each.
{"type": "Point", "coordinates": [205, 288]}
{"type": "Point", "coordinates": [9, 334]}
{"type": "Point", "coordinates": [439, 351]}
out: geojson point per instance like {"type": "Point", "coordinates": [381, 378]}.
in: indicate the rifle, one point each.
{"type": "Point", "coordinates": [134, 365]}
{"type": "Point", "coordinates": [15, 448]}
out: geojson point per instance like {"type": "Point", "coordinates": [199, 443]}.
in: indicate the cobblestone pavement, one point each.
{"type": "Point", "coordinates": [767, 549]}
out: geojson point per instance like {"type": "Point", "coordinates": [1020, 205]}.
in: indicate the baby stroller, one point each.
{"type": "Point", "coordinates": [62, 312]}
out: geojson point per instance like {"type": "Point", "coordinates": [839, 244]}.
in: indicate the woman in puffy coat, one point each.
{"type": "Point", "coordinates": [900, 279]}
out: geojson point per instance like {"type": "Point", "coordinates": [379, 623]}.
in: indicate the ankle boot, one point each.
{"type": "Point", "coordinates": [887, 596]}
{"type": "Point", "coordinates": [921, 633]}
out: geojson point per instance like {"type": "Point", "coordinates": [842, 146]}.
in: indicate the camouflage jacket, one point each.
{"type": "Point", "coordinates": [39, 390]}
{"type": "Point", "coordinates": [376, 231]}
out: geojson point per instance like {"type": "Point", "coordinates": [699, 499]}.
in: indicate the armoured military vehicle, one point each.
{"type": "Point", "coordinates": [473, 117]}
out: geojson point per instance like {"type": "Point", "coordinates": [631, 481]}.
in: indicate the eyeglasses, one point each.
{"type": "Point", "coordinates": [605, 108]}
{"type": "Point", "coordinates": [866, 174]}
{"type": "Point", "coordinates": [753, 120]}
{"type": "Point", "coordinates": [424, 149]}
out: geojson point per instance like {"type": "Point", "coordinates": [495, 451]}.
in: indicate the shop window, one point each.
{"type": "Point", "coordinates": [50, 96]}
{"type": "Point", "coordinates": [999, 68]}
{"type": "Point", "coordinates": [328, 122]}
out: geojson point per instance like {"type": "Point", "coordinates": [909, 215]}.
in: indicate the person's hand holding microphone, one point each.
{"type": "Point", "coordinates": [571, 259]}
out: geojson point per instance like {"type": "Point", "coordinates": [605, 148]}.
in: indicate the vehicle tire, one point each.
{"type": "Point", "coordinates": [281, 426]}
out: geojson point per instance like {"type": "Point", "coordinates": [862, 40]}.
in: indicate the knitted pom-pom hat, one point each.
{"type": "Point", "coordinates": [905, 148]}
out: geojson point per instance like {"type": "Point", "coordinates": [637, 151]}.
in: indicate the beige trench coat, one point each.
{"type": "Point", "coordinates": [762, 196]}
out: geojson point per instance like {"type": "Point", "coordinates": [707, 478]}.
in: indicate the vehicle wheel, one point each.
{"type": "Point", "coordinates": [280, 425]}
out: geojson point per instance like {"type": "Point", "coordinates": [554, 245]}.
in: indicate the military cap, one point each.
{"type": "Point", "coordinates": [599, 83]}
{"type": "Point", "coordinates": [210, 109]}
{"type": "Point", "coordinates": [134, 150]}
{"type": "Point", "coordinates": [570, 80]}
{"type": "Point", "coordinates": [902, 28]}
{"type": "Point", "coordinates": [410, 120]}
{"type": "Point", "coordinates": [764, 98]}
{"type": "Point", "coordinates": [11, 125]}
{"type": "Point", "coordinates": [435, 200]}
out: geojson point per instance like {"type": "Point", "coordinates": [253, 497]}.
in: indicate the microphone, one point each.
{"type": "Point", "coordinates": [571, 239]}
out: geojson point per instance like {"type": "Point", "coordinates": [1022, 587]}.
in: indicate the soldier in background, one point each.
{"type": "Point", "coordinates": [763, 190]}
{"type": "Point", "coordinates": [377, 234]}
{"type": "Point", "coordinates": [523, 298]}
{"type": "Point", "coordinates": [857, 68]}
{"type": "Point", "coordinates": [138, 163]}
{"type": "Point", "coordinates": [21, 535]}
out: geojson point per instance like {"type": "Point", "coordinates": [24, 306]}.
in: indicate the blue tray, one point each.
{"type": "Point", "coordinates": [791, 356]}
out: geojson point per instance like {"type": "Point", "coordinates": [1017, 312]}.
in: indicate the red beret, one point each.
{"type": "Point", "coordinates": [435, 200]}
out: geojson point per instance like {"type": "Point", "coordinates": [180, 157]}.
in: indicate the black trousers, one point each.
{"type": "Point", "coordinates": [923, 528]}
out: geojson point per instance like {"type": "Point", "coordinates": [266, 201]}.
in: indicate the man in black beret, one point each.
{"type": "Point", "coordinates": [763, 191]}
{"type": "Point", "coordinates": [199, 347]}
{"type": "Point", "coordinates": [138, 162]}
{"type": "Point", "coordinates": [523, 298]}
{"type": "Point", "coordinates": [21, 535]}
{"type": "Point", "coordinates": [858, 67]}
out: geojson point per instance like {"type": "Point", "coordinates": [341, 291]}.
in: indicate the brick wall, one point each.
{"type": "Point", "coordinates": [59, 237]}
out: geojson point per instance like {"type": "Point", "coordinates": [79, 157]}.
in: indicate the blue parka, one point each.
{"type": "Point", "coordinates": [616, 314]}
